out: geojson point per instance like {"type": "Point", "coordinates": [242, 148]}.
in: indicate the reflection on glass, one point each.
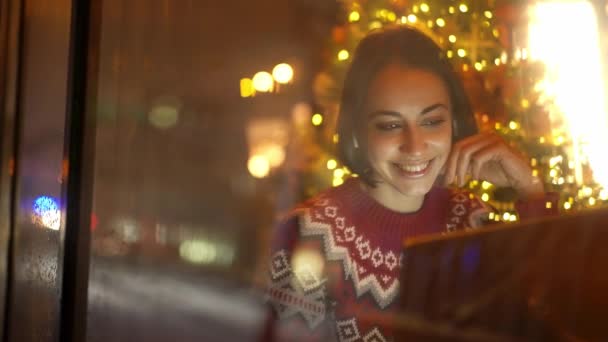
{"type": "Point", "coordinates": [46, 212]}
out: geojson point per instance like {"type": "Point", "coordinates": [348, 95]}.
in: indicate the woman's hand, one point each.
{"type": "Point", "coordinates": [487, 157]}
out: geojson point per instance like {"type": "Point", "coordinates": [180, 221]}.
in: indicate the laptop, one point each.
{"type": "Point", "coordinates": [539, 280]}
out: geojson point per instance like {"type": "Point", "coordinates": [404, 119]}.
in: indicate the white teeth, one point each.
{"type": "Point", "coordinates": [413, 167]}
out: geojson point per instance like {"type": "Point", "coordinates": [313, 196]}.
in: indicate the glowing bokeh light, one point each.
{"type": "Point", "coordinates": [354, 16]}
{"type": "Point", "coordinates": [263, 82]}
{"type": "Point", "coordinates": [317, 119]}
{"type": "Point", "coordinates": [247, 89]}
{"type": "Point", "coordinates": [258, 166]}
{"type": "Point", "coordinates": [46, 212]}
{"type": "Point", "coordinates": [282, 73]}
{"type": "Point", "coordinates": [572, 58]}
{"type": "Point", "coordinates": [343, 55]}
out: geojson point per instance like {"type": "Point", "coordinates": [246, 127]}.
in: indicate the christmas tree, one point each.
{"type": "Point", "coordinates": [486, 42]}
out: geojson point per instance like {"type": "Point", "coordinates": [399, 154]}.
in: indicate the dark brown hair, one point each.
{"type": "Point", "coordinates": [401, 45]}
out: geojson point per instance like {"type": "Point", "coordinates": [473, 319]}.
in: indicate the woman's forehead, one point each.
{"type": "Point", "coordinates": [396, 86]}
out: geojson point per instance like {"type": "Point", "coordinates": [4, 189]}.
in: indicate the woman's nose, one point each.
{"type": "Point", "coordinates": [412, 141]}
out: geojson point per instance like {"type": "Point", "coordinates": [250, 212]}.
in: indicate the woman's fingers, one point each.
{"type": "Point", "coordinates": [457, 163]}
{"type": "Point", "coordinates": [465, 160]}
{"type": "Point", "coordinates": [485, 155]}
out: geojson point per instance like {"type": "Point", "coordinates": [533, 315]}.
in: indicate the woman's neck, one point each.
{"type": "Point", "coordinates": [392, 199]}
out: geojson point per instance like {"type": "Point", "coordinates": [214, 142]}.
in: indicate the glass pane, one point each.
{"type": "Point", "coordinates": [216, 119]}
{"type": "Point", "coordinates": [35, 282]}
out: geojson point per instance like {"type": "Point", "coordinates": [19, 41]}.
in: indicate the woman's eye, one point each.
{"type": "Point", "coordinates": [387, 126]}
{"type": "Point", "coordinates": [433, 122]}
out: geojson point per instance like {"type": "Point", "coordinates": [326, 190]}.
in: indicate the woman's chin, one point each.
{"type": "Point", "coordinates": [414, 190]}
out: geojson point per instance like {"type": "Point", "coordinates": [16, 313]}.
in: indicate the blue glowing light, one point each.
{"type": "Point", "coordinates": [46, 212]}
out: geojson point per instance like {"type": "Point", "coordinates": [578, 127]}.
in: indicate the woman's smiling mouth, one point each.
{"type": "Point", "coordinates": [414, 169]}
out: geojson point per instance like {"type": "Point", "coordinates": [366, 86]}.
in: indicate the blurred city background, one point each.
{"type": "Point", "coordinates": [216, 117]}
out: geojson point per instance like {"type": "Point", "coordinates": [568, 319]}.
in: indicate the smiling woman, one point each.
{"type": "Point", "coordinates": [408, 131]}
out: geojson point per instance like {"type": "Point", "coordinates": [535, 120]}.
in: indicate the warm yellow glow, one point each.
{"type": "Point", "coordinates": [198, 251]}
{"type": "Point", "coordinates": [337, 181]}
{"type": "Point", "coordinates": [452, 38]}
{"type": "Point", "coordinates": [282, 73]}
{"type": "Point", "coordinates": [491, 216]}
{"type": "Point", "coordinates": [548, 205]}
{"type": "Point", "coordinates": [338, 173]}
{"type": "Point", "coordinates": [336, 138]}
{"type": "Point", "coordinates": [424, 7]}
{"type": "Point", "coordinates": [486, 185]}
{"type": "Point", "coordinates": [485, 197]}
{"type": "Point", "coordinates": [391, 16]}
{"type": "Point", "coordinates": [534, 173]}
{"type": "Point", "coordinates": [591, 201]}
{"type": "Point", "coordinates": [603, 194]}
{"type": "Point", "coordinates": [308, 261]}
{"type": "Point", "coordinates": [525, 103]}
{"type": "Point", "coordinates": [452, 10]}
{"type": "Point", "coordinates": [274, 153]}
{"type": "Point", "coordinates": [259, 166]}
{"type": "Point", "coordinates": [403, 19]}
{"type": "Point", "coordinates": [465, 67]}
{"type": "Point", "coordinates": [462, 52]}
{"type": "Point", "coordinates": [463, 8]}
{"type": "Point", "coordinates": [412, 18]}
{"type": "Point", "coordinates": [567, 205]}
{"type": "Point", "coordinates": [495, 33]}
{"type": "Point", "coordinates": [555, 160]}
{"type": "Point", "coordinates": [440, 22]}
{"type": "Point", "coordinates": [587, 191]}
{"type": "Point", "coordinates": [331, 164]}
{"type": "Point", "coordinates": [533, 162]}
{"type": "Point", "coordinates": [506, 216]}
{"type": "Point", "coordinates": [415, 9]}
{"type": "Point", "coordinates": [504, 58]}
{"type": "Point", "coordinates": [478, 66]}
{"type": "Point", "coordinates": [263, 82]}
{"type": "Point", "coordinates": [354, 16]}
{"type": "Point", "coordinates": [497, 61]}
{"type": "Point", "coordinates": [247, 89]}
{"type": "Point", "coordinates": [375, 25]}
{"type": "Point", "coordinates": [553, 173]}
{"type": "Point", "coordinates": [497, 126]}
{"type": "Point", "coordinates": [450, 53]}
{"type": "Point", "coordinates": [488, 14]}
{"type": "Point", "coordinates": [513, 125]}
{"type": "Point", "coordinates": [343, 55]}
{"type": "Point", "coordinates": [513, 218]}
{"type": "Point", "coordinates": [317, 119]}
{"type": "Point", "coordinates": [572, 74]}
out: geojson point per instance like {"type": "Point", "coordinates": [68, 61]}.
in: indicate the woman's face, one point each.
{"type": "Point", "coordinates": [409, 129]}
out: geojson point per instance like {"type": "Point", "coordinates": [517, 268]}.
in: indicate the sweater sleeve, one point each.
{"type": "Point", "coordinates": [543, 206]}
{"type": "Point", "coordinates": [296, 290]}
{"type": "Point", "coordinates": [465, 210]}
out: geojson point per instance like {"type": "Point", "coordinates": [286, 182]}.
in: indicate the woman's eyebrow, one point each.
{"type": "Point", "coordinates": [433, 107]}
{"type": "Point", "coordinates": [426, 110]}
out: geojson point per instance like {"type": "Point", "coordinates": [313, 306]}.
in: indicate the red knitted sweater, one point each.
{"type": "Point", "coordinates": [335, 261]}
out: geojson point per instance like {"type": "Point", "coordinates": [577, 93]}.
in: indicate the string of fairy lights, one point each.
{"type": "Point", "coordinates": [471, 38]}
